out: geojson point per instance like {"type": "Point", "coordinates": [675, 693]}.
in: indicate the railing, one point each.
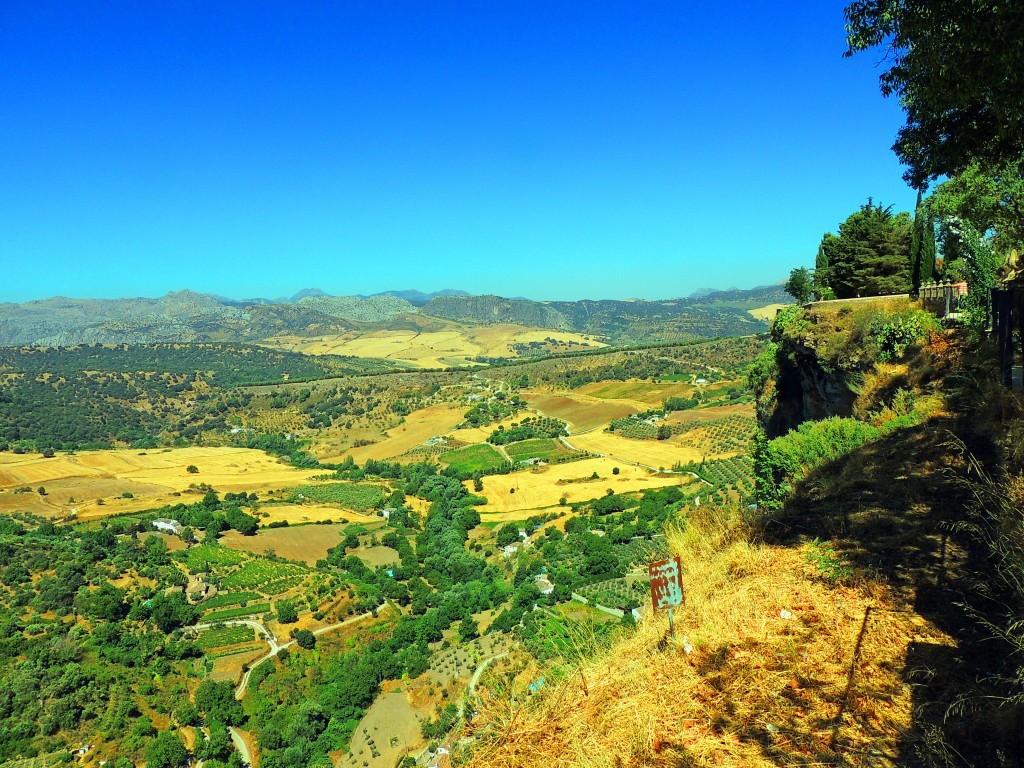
{"type": "Point", "coordinates": [942, 299]}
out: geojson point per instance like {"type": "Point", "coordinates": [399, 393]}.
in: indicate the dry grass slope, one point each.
{"type": "Point", "coordinates": [785, 669]}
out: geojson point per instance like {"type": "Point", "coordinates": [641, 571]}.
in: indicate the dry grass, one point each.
{"type": "Point", "coordinates": [820, 684]}
{"type": "Point", "coordinates": [311, 513]}
{"type": "Point", "coordinates": [307, 543]}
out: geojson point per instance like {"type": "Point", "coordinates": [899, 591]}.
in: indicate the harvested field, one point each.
{"type": "Point", "coordinates": [582, 412]}
{"type": "Point", "coordinates": [652, 453]}
{"type": "Point", "coordinates": [311, 513]}
{"type": "Point", "coordinates": [174, 543]}
{"type": "Point", "coordinates": [543, 486]}
{"type": "Point", "coordinates": [374, 556]}
{"type": "Point", "coordinates": [767, 312]}
{"type": "Point", "coordinates": [647, 394]}
{"type": "Point", "coordinates": [149, 476]}
{"type": "Point", "coordinates": [418, 428]}
{"type": "Point", "coordinates": [454, 345]}
{"type": "Point", "coordinates": [307, 543]}
{"type": "Point", "coordinates": [393, 726]}
{"type": "Point", "coordinates": [229, 668]}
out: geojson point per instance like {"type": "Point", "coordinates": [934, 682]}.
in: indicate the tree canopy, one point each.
{"type": "Point", "coordinates": [870, 256]}
{"type": "Point", "coordinates": [958, 70]}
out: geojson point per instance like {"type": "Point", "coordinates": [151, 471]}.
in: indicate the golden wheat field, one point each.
{"type": "Point", "coordinates": [767, 312]}
{"type": "Point", "coordinates": [310, 513]}
{"type": "Point", "coordinates": [307, 543]}
{"type": "Point", "coordinates": [420, 426]}
{"type": "Point", "coordinates": [652, 453]}
{"type": "Point", "coordinates": [430, 349]}
{"type": "Point", "coordinates": [75, 481]}
{"type": "Point", "coordinates": [544, 486]}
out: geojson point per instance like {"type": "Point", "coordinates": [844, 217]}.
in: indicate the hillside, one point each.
{"type": "Point", "coordinates": [718, 314]}
{"type": "Point", "coordinates": [867, 612]}
{"type": "Point", "coordinates": [186, 316]}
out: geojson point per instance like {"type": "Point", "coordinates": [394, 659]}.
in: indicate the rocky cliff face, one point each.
{"type": "Point", "coordinates": [814, 374]}
{"type": "Point", "coordinates": [805, 391]}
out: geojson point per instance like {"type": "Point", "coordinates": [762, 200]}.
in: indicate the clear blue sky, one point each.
{"type": "Point", "coordinates": [554, 150]}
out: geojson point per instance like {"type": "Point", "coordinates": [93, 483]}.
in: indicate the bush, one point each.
{"type": "Point", "coordinates": [895, 333]}
{"type": "Point", "coordinates": [780, 463]}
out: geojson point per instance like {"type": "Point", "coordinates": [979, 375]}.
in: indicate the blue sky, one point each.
{"type": "Point", "coordinates": [554, 150]}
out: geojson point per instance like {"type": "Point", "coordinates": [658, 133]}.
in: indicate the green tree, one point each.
{"type": "Point", "coordinates": [507, 534]}
{"type": "Point", "coordinates": [468, 629]}
{"type": "Point", "coordinates": [991, 200]}
{"type": "Point", "coordinates": [800, 285]}
{"type": "Point", "coordinates": [286, 613]}
{"type": "Point", "coordinates": [304, 638]}
{"type": "Point", "coordinates": [192, 469]}
{"type": "Point", "coordinates": [871, 254]}
{"type": "Point", "coordinates": [166, 750]}
{"type": "Point", "coordinates": [958, 72]}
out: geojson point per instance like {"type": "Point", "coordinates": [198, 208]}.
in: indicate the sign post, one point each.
{"type": "Point", "coordinates": [666, 588]}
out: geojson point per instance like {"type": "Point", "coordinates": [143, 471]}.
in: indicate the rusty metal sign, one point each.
{"type": "Point", "coordinates": [666, 584]}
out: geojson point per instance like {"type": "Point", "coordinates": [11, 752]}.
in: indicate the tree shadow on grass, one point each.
{"type": "Point", "coordinates": [890, 509]}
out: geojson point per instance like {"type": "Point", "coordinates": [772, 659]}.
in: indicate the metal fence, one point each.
{"type": "Point", "coordinates": [1008, 329]}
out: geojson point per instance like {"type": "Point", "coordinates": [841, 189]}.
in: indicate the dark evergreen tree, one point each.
{"type": "Point", "coordinates": [871, 254]}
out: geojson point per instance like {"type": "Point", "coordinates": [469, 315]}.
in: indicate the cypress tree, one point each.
{"type": "Point", "coordinates": [922, 246]}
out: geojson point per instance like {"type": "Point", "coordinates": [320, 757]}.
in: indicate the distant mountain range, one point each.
{"type": "Point", "coordinates": [187, 316]}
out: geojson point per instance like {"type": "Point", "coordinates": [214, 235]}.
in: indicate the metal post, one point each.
{"type": "Point", "coordinates": [672, 628]}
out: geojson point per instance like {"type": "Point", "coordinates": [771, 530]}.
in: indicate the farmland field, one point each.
{"type": "Point", "coordinates": [266, 576]}
{"type": "Point", "coordinates": [218, 637]}
{"type": "Point", "coordinates": [446, 344]}
{"type": "Point", "coordinates": [767, 312]}
{"type": "Point", "coordinates": [580, 411]}
{"type": "Point", "coordinates": [149, 476]}
{"type": "Point", "coordinates": [310, 513]}
{"type": "Point", "coordinates": [543, 486]}
{"type": "Point", "coordinates": [307, 543]}
{"type": "Point", "coordinates": [543, 448]}
{"type": "Point", "coordinates": [647, 394]}
{"type": "Point", "coordinates": [653, 453]}
{"type": "Point", "coordinates": [225, 599]}
{"type": "Point", "coordinates": [472, 458]}
{"type": "Point", "coordinates": [357, 496]}
{"type": "Point", "coordinates": [419, 427]}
